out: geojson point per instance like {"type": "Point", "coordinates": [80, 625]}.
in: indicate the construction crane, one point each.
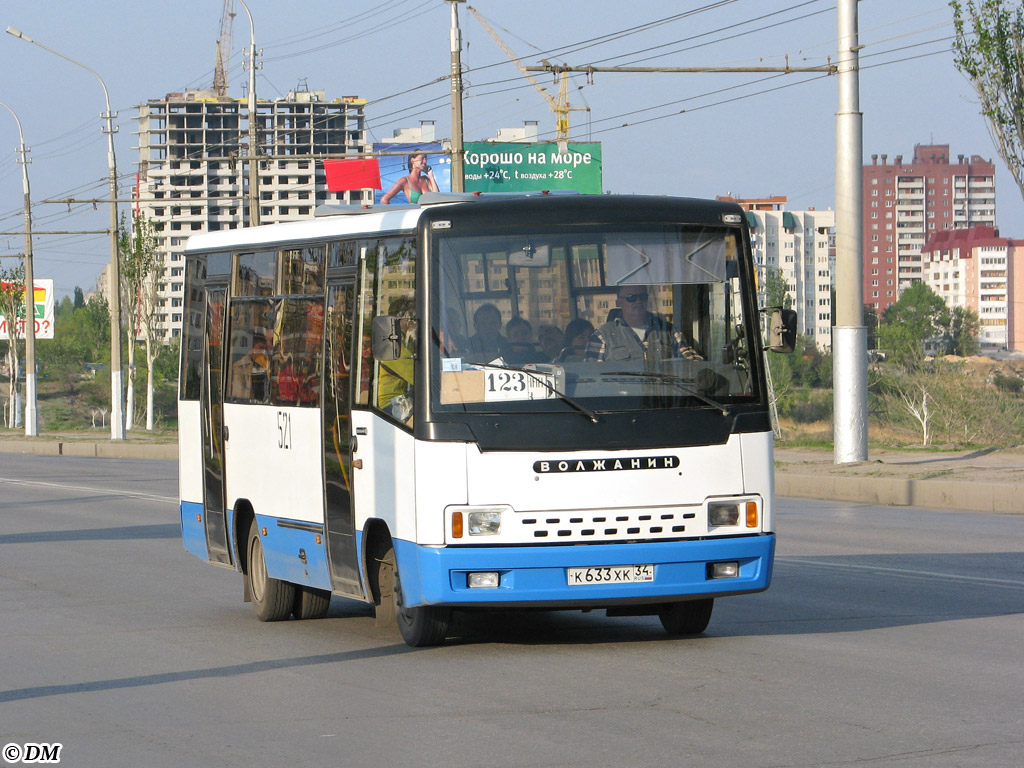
{"type": "Point", "coordinates": [559, 106]}
{"type": "Point", "coordinates": [220, 72]}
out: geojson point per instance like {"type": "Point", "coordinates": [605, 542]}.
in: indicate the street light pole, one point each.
{"type": "Point", "coordinates": [254, 171]}
{"type": "Point", "coordinates": [31, 418]}
{"type": "Point", "coordinates": [116, 388]}
{"type": "Point", "coordinates": [849, 336]}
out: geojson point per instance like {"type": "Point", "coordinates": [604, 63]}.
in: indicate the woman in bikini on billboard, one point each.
{"type": "Point", "coordinates": [419, 180]}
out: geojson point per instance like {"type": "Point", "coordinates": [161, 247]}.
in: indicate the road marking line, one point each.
{"type": "Point", "coordinates": [902, 572]}
{"type": "Point", "coordinates": [105, 491]}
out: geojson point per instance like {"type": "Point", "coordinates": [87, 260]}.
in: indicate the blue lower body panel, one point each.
{"type": "Point", "coordinates": [537, 576]}
{"type": "Point", "coordinates": [193, 533]}
{"type": "Point", "coordinates": [293, 554]}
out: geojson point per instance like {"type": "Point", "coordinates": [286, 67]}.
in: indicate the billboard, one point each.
{"type": "Point", "coordinates": [409, 170]}
{"type": "Point", "coordinates": [533, 167]}
{"type": "Point", "coordinates": [43, 301]}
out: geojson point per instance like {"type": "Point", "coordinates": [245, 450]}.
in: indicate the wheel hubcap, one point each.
{"type": "Point", "coordinates": [257, 570]}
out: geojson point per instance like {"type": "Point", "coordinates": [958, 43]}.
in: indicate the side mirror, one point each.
{"type": "Point", "coordinates": [386, 337]}
{"type": "Point", "coordinates": [782, 330]}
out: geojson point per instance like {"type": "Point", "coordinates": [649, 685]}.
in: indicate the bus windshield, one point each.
{"type": "Point", "coordinates": [638, 317]}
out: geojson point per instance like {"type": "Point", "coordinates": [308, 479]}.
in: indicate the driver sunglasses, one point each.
{"type": "Point", "coordinates": [631, 297]}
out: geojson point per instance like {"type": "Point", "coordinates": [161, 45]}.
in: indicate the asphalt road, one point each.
{"type": "Point", "coordinates": [890, 637]}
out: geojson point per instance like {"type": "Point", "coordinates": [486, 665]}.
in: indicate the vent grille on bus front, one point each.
{"type": "Point", "coordinates": [605, 525]}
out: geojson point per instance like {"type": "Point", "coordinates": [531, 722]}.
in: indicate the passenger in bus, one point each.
{"type": "Point", "coordinates": [288, 383]}
{"type": "Point", "coordinates": [632, 332]}
{"type": "Point", "coordinates": [453, 338]}
{"type": "Point", "coordinates": [521, 348]}
{"type": "Point", "coordinates": [487, 344]}
{"type": "Point", "coordinates": [577, 334]}
{"type": "Point", "coordinates": [296, 384]}
{"type": "Point", "coordinates": [309, 382]}
{"type": "Point", "coordinates": [419, 180]}
{"type": "Point", "coordinates": [551, 341]}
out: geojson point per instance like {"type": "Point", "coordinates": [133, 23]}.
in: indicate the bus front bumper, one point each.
{"type": "Point", "coordinates": [540, 576]}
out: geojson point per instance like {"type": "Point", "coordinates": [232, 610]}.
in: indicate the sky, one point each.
{"type": "Point", "coordinates": [694, 135]}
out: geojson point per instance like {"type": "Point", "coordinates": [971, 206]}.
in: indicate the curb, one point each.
{"type": "Point", "coordinates": [103, 450]}
{"type": "Point", "coordinates": [1002, 498]}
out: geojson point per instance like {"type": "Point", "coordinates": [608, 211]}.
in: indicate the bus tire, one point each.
{"type": "Point", "coordinates": [687, 617]}
{"type": "Point", "coordinates": [273, 599]}
{"type": "Point", "coordinates": [421, 626]}
{"type": "Point", "coordinates": [310, 603]}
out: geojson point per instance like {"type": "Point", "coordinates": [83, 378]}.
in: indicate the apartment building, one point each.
{"type": "Point", "coordinates": [193, 169]}
{"type": "Point", "coordinates": [904, 203]}
{"type": "Point", "coordinates": [801, 245]}
{"type": "Point", "coordinates": [975, 268]}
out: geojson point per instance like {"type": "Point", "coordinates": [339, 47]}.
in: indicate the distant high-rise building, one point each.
{"type": "Point", "coordinates": [905, 203]}
{"type": "Point", "coordinates": [974, 268]}
{"type": "Point", "coordinates": [193, 173]}
{"type": "Point", "coordinates": [801, 245]}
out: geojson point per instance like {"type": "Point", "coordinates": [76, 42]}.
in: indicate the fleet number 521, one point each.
{"type": "Point", "coordinates": [284, 430]}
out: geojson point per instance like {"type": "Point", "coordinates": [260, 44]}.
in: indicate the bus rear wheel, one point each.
{"type": "Point", "coordinates": [422, 626]}
{"type": "Point", "coordinates": [273, 599]}
{"type": "Point", "coordinates": [310, 603]}
{"type": "Point", "coordinates": [687, 617]}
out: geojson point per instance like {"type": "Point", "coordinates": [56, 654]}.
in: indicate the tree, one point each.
{"type": "Point", "coordinates": [960, 328]}
{"type": "Point", "coordinates": [988, 49]}
{"type": "Point", "coordinates": [915, 400]}
{"type": "Point", "coordinates": [79, 298]}
{"type": "Point", "coordinates": [775, 289]}
{"type": "Point", "coordinates": [139, 265]}
{"type": "Point", "coordinates": [12, 307]}
{"type": "Point", "coordinates": [84, 338]}
{"type": "Point", "coordinates": [918, 315]}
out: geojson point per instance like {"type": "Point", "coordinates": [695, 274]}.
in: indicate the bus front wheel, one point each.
{"type": "Point", "coordinates": [421, 626]}
{"type": "Point", "coordinates": [273, 599]}
{"type": "Point", "coordinates": [687, 617]}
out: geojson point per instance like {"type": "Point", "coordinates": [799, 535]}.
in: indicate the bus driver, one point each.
{"type": "Point", "coordinates": [634, 333]}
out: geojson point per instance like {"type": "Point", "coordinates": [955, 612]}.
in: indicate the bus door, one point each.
{"type": "Point", "coordinates": [214, 516]}
{"type": "Point", "coordinates": [339, 387]}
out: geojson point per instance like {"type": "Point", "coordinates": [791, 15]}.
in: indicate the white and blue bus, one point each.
{"type": "Point", "coordinates": [549, 401]}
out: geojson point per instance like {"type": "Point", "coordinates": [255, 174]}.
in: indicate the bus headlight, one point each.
{"type": "Point", "coordinates": [485, 521]}
{"type": "Point", "coordinates": [733, 512]}
{"type": "Point", "coordinates": [723, 513]}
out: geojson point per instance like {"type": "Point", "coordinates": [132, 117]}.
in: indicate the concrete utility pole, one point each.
{"type": "Point", "coordinates": [116, 387]}
{"type": "Point", "coordinates": [254, 169]}
{"type": "Point", "coordinates": [31, 417]}
{"type": "Point", "coordinates": [458, 144]}
{"type": "Point", "coordinates": [849, 336]}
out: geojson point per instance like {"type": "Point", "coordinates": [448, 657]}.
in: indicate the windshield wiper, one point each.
{"type": "Point", "coordinates": [677, 382]}
{"type": "Point", "coordinates": [535, 375]}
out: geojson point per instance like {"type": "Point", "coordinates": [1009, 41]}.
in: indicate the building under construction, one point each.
{"type": "Point", "coordinates": [194, 149]}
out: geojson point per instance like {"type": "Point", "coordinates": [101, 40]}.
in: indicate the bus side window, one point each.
{"type": "Point", "coordinates": [296, 358]}
{"type": "Point", "coordinates": [249, 374]}
{"type": "Point", "coordinates": [390, 268]}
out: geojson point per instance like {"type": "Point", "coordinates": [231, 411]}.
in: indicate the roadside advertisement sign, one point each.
{"type": "Point", "coordinates": [409, 170]}
{"type": "Point", "coordinates": [533, 167]}
{"type": "Point", "coordinates": [43, 300]}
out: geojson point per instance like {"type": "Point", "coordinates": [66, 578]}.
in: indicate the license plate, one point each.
{"type": "Point", "coordinates": [611, 574]}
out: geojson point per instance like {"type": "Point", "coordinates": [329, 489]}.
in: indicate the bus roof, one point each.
{"type": "Point", "coordinates": [374, 220]}
{"type": "Point", "coordinates": [333, 221]}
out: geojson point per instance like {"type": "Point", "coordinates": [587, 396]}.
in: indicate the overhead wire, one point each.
{"type": "Point", "coordinates": [405, 112]}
